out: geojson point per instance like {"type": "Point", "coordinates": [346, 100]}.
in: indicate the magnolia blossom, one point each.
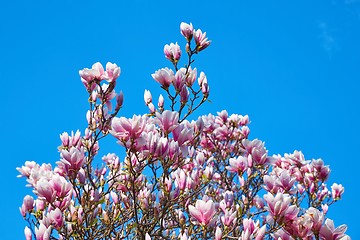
{"type": "Point", "coordinates": [27, 206]}
{"type": "Point", "coordinates": [125, 129]}
{"type": "Point", "coordinates": [279, 206]}
{"type": "Point", "coordinates": [167, 120]}
{"type": "Point", "coordinates": [112, 72]}
{"type": "Point", "coordinates": [164, 76]}
{"type": "Point", "coordinates": [56, 218]}
{"type": "Point", "coordinates": [201, 40]}
{"type": "Point", "coordinates": [74, 158]}
{"type": "Point", "coordinates": [187, 30]}
{"type": "Point", "coordinates": [328, 231]}
{"type": "Point", "coordinates": [172, 52]}
{"type": "Point", "coordinates": [42, 232]}
{"type": "Point", "coordinates": [238, 165]}
{"type": "Point", "coordinates": [44, 190]}
{"type": "Point", "coordinates": [337, 190]}
{"type": "Point", "coordinates": [180, 79]}
{"type": "Point", "coordinates": [203, 211]}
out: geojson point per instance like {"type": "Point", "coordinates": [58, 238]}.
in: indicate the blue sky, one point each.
{"type": "Point", "coordinates": [292, 66]}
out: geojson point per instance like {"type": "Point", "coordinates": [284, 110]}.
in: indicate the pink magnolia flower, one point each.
{"type": "Point", "coordinates": [180, 78]}
{"type": "Point", "coordinates": [252, 230]}
{"type": "Point", "coordinates": [105, 93]}
{"type": "Point", "coordinates": [69, 141]}
{"type": "Point", "coordinates": [56, 218]}
{"type": "Point", "coordinates": [201, 40]}
{"type": "Point", "coordinates": [61, 186]}
{"type": "Point", "coordinates": [172, 52]}
{"type": "Point", "coordinates": [270, 183]}
{"type": "Point", "coordinates": [321, 171]}
{"type": "Point", "coordinates": [228, 218]}
{"type": "Point", "coordinates": [42, 232]}
{"type": "Point", "coordinates": [203, 211]}
{"type": "Point", "coordinates": [167, 120]}
{"type": "Point", "coordinates": [238, 165]}
{"type": "Point", "coordinates": [27, 206]}
{"type": "Point", "coordinates": [279, 206]}
{"type": "Point", "coordinates": [90, 77]}
{"type": "Point", "coordinates": [164, 76]}
{"type": "Point", "coordinates": [40, 204]}
{"type": "Point", "coordinates": [44, 190]}
{"type": "Point", "coordinates": [205, 89]}
{"type": "Point", "coordinates": [25, 171]}
{"type": "Point", "coordinates": [112, 72]}
{"type": "Point", "coordinates": [155, 146]}
{"type": "Point", "coordinates": [74, 158]}
{"type": "Point", "coordinates": [182, 134]}
{"type": "Point", "coordinates": [257, 150]}
{"type": "Point", "coordinates": [203, 84]}
{"type": "Point", "coordinates": [336, 191]}
{"type": "Point", "coordinates": [201, 78]}
{"type": "Point", "coordinates": [285, 180]}
{"type": "Point", "coordinates": [95, 73]}
{"type": "Point", "coordinates": [281, 235]}
{"type": "Point", "coordinates": [125, 129]}
{"type": "Point", "coordinates": [328, 231]}
{"type": "Point", "coordinates": [187, 30]}
{"type": "Point", "coordinates": [316, 217]}
{"type": "Point", "coordinates": [180, 178]}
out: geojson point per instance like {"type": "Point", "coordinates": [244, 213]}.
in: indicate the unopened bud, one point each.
{"type": "Point", "coordinates": [119, 100]}
{"type": "Point", "coordinates": [161, 102]}
{"type": "Point", "coordinates": [147, 97]}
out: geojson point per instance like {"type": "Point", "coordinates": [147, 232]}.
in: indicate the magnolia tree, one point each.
{"type": "Point", "coordinates": [177, 179]}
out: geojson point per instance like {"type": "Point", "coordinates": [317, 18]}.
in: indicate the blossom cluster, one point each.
{"type": "Point", "coordinates": [177, 178]}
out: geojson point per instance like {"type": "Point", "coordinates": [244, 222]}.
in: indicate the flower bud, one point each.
{"type": "Point", "coordinates": [218, 233]}
{"type": "Point", "coordinates": [161, 102]}
{"type": "Point", "coordinates": [184, 95]}
{"type": "Point", "coordinates": [147, 97]}
{"type": "Point", "coordinates": [119, 100]}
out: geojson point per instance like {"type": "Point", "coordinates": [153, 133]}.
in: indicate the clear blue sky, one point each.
{"type": "Point", "coordinates": [292, 66]}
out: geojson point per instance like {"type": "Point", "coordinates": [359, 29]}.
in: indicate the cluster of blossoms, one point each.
{"type": "Point", "coordinates": [179, 178]}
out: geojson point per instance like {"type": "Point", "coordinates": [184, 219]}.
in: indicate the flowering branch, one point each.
{"type": "Point", "coordinates": [179, 179]}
